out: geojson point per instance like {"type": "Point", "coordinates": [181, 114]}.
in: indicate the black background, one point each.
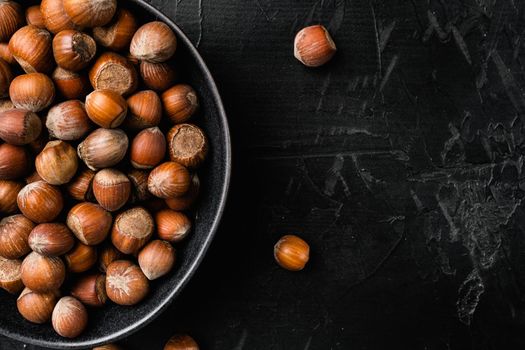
{"type": "Point", "coordinates": [400, 162]}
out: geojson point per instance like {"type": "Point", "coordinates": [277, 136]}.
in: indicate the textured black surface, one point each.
{"type": "Point", "coordinates": [401, 162]}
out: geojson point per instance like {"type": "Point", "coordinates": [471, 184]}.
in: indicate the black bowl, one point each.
{"type": "Point", "coordinates": [115, 322]}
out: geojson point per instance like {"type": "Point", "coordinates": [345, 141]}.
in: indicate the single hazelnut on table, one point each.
{"type": "Point", "coordinates": [148, 148]}
{"type": "Point", "coordinates": [80, 188]}
{"type": "Point", "coordinates": [188, 145]}
{"type": "Point", "coordinates": [187, 200]}
{"type": "Point", "coordinates": [158, 76]}
{"type": "Point", "coordinates": [51, 239]}
{"type": "Point", "coordinates": [131, 230]}
{"type": "Point", "coordinates": [8, 193]}
{"type": "Point", "coordinates": [180, 103]}
{"type": "Point", "coordinates": [6, 76]}
{"type": "Point", "coordinates": [139, 182]}
{"type": "Point", "coordinates": [125, 283]}
{"type": "Point", "coordinates": [19, 127]}
{"type": "Point", "coordinates": [69, 317]}
{"type": "Point", "coordinates": [81, 258]}
{"type": "Point", "coordinates": [37, 307]}
{"type": "Point", "coordinates": [106, 255]}
{"type": "Point", "coordinates": [172, 226]}
{"type": "Point", "coordinates": [12, 18]}
{"type": "Point", "coordinates": [33, 92]}
{"type": "Point", "coordinates": [89, 222]}
{"type": "Point", "coordinates": [57, 163]}
{"type": "Point", "coordinates": [41, 273]}
{"type": "Point", "coordinates": [111, 189]}
{"type": "Point", "coordinates": [113, 72]}
{"type": "Point", "coordinates": [14, 236]}
{"type": "Point", "coordinates": [156, 259]}
{"type": "Point", "coordinates": [313, 46]}
{"type": "Point", "coordinates": [154, 42]}
{"type": "Point", "coordinates": [90, 13]}
{"type": "Point", "coordinates": [103, 148]}
{"type": "Point", "coordinates": [40, 202]}
{"type": "Point", "coordinates": [169, 180]}
{"type": "Point", "coordinates": [55, 17]}
{"type": "Point", "coordinates": [118, 33]}
{"type": "Point", "coordinates": [68, 121]}
{"type": "Point", "coordinates": [7, 56]}
{"type": "Point", "coordinates": [181, 342]}
{"type": "Point", "coordinates": [106, 108]}
{"type": "Point", "coordinates": [71, 85]}
{"type": "Point", "coordinates": [91, 290]}
{"type": "Point", "coordinates": [145, 110]}
{"type": "Point", "coordinates": [10, 275]}
{"type": "Point", "coordinates": [291, 253]}
{"type": "Point", "coordinates": [14, 162]}
{"type": "Point", "coordinates": [73, 50]}
{"type": "Point", "coordinates": [31, 48]}
{"type": "Point", "coordinates": [34, 17]}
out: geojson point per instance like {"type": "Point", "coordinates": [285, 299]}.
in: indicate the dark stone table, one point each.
{"type": "Point", "coordinates": [400, 162]}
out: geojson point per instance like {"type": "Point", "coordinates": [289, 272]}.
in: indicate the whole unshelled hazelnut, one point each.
{"type": "Point", "coordinates": [71, 85]}
{"type": "Point", "coordinates": [132, 229]}
{"type": "Point", "coordinates": [73, 50]}
{"type": "Point", "coordinates": [8, 193]}
{"type": "Point", "coordinates": [34, 16]}
{"type": "Point", "coordinates": [90, 13]}
{"type": "Point", "coordinates": [154, 42]}
{"type": "Point", "coordinates": [139, 181]}
{"type": "Point", "coordinates": [81, 258]}
{"type": "Point", "coordinates": [113, 72]}
{"type": "Point", "coordinates": [33, 92]}
{"type": "Point", "coordinates": [6, 76]}
{"type": "Point", "coordinates": [69, 317]}
{"type": "Point", "coordinates": [14, 235]}
{"type": "Point", "coordinates": [68, 121]}
{"type": "Point", "coordinates": [148, 148]}
{"type": "Point", "coordinates": [156, 259]}
{"type": "Point", "coordinates": [51, 239]}
{"type": "Point", "coordinates": [145, 110]}
{"type": "Point", "coordinates": [12, 18]}
{"type": "Point", "coordinates": [41, 273]}
{"type": "Point", "coordinates": [187, 200]}
{"type": "Point", "coordinates": [40, 202]}
{"type": "Point", "coordinates": [89, 222]}
{"type": "Point", "coordinates": [106, 108]}
{"type": "Point", "coordinates": [80, 188]}
{"type": "Point", "coordinates": [111, 188]}
{"type": "Point", "coordinates": [313, 46]}
{"type": "Point", "coordinates": [55, 18]}
{"type": "Point", "coordinates": [14, 162]}
{"type": "Point", "coordinates": [103, 148]}
{"type": "Point", "coordinates": [180, 103]}
{"type": "Point", "coordinates": [172, 226]}
{"type": "Point", "coordinates": [169, 180]}
{"type": "Point", "coordinates": [31, 48]}
{"type": "Point", "coordinates": [91, 290]}
{"type": "Point", "coordinates": [19, 127]}
{"type": "Point", "coordinates": [188, 145]}
{"type": "Point", "coordinates": [7, 56]}
{"type": "Point", "coordinates": [158, 76]}
{"type": "Point", "coordinates": [181, 342]}
{"type": "Point", "coordinates": [106, 255]}
{"type": "Point", "coordinates": [10, 275]}
{"type": "Point", "coordinates": [37, 307]}
{"type": "Point", "coordinates": [57, 163]}
{"type": "Point", "coordinates": [125, 283]}
{"type": "Point", "coordinates": [291, 253]}
{"type": "Point", "coordinates": [118, 33]}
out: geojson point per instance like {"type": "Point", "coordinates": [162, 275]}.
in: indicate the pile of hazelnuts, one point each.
{"type": "Point", "coordinates": [93, 193]}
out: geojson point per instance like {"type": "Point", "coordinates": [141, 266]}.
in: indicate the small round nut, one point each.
{"type": "Point", "coordinates": [73, 50]}
{"type": "Point", "coordinates": [8, 192]}
{"type": "Point", "coordinates": [68, 121]}
{"type": "Point", "coordinates": [10, 275]}
{"type": "Point", "coordinates": [181, 342]}
{"type": "Point", "coordinates": [113, 72]}
{"type": "Point", "coordinates": [57, 163]}
{"type": "Point", "coordinates": [41, 273]}
{"type": "Point", "coordinates": [291, 253]}
{"type": "Point", "coordinates": [125, 283]}
{"type": "Point", "coordinates": [91, 290]}
{"type": "Point", "coordinates": [90, 13]}
{"type": "Point", "coordinates": [132, 229]}
{"type": "Point", "coordinates": [314, 46]}
{"type": "Point", "coordinates": [106, 108]}
{"type": "Point", "coordinates": [31, 48]}
{"type": "Point", "coordinates": [111, 189]}
{"type": "Point", "coordinates": [103, 148]}
{"type": "Point", "coordinates": [14, 162]}
{"type": "Point", "coordinates": [69, 317]}
{"type": "Point", "coordinates": [89, 222]}
{"type": "Point", "coordinates": [118, 33]}
{"type": "Point", "coordinates": [40, 202]}
{"type": "Point", "coordinates": [180, 103]}
{"type": "Point", "coordinates": [37, 307]}
{"type": "Point", "coordinates": [148, 148]}
{"type": "Point", "coordinates": [145, 110]}
{"type": "Point", "coordinates": [80, 188]}
{"type": "Point", "coordinates": [156, 259]}
{"type": "Point", "coordinates": [81, 258]}
{"type": "Point", "coordinates": [14, 235]}
{"type": "Point", "coordinates": [172, 226]}
{"type": "Point", "coordinates": [169, 180]}
{"type": "Point", "coordinates": [51, 239]}
{"type": "Point", "coordinates": [188, 145]}
{"type": "Point", "coordinates": [154, 42]}
{"type": "Point", "coordinates": [19, 127]}
{"type": "Point", "coordinates": [188, 200]}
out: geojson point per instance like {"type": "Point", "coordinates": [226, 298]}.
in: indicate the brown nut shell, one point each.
{"type": "Point", "coordinates": [6, 76]}
{"type": "Point", "coordinates": [148, 148]}
{"type": "Point", "coordinates": [41, 273]}
{"type": "Point", "coordinates": [90, 13]}
{"type": "Point", "coordinates": [113, 72]}
{"type": "Point", "coordinates": [111, 189]}
{"type": "Point", "coordinates": [180, 103]}
{"type": "Point", "coordinates": [12, 18]}
{"type": "Point", "coordinates": [8, 192]}
{"type": "Point", "coordinates": [51, 239]}
{"type": "Point", "coordinates": [181, 342]}
{"type": "Point", "coordinates": [172, 226]}
{"type": "Point", "coordinates": [71, 85]}
{"type": "Point", "coordinates": [34, 17]}
{"type": "Point", "coordinates": [188, 145]}
{"type": "Point", "coordinates": [145, 110]}
{"type": "Point", "coordinates": [14, 162]}
{"type": "Point", "coordinates": [313, 46]}
{"type": "Point", "coordinates": [73, 50]}
{"type": "Point", "coordinates": [14, 235]}
{"type": "Point", "coordinates": [10, 275]}
{"type": "Point", "coordinates": [7, 56]}
{"type": "Point", "coordinates": [158, 76]}
{"type": "Point", "coordinates": [131, 230]}
{"type": "Point", "coordinates": [125, 283]}
{"type": "Point", "coordinates": [91, 290]}
{"type": "Point", "coordinates": [154, 42]}
{"type": "Point", "coordinates": [68, 121]}
{"type": "Point", "coordinates": [169, 180]}
{"type": "Point", "coordinates": [31, 48]}
{"type": "Point", "coordinates": [291, 253]}
{"type": "Point", "coordinates": [186, 201]}
{"type": "Point", "coordinates": [139, 182]}
{"type": "Point", "coordinates": [118, 33]}
{"type": "Point", "coordinates": [89, 222]}
{"type": "Point", "coordinates": [57, 163]}
{"type": "Point", "coordinates": [80, 188]}
{"type": "Point", "coordinates": [33, 92]}
{"type": "Point", "coordinates": [81, 258]}
{"type": "Point", "coordinates": [40, 202]}
{"type": "Point", "coordinates": [107, 254]}
{"type": "Point", "coordinates": [156, 259]}
{"type": "Point", "coordinates": [106, 108]}
{"type": "Point", "coordinates": [54, 16]}
{"type": "Point", "coordinates": [69, 317]}
{"type": "Point", "coordinates": [103, 148]}
{"type": "Point", "coordinates": [37, 307]}
{"type": "Point", "coordinates": [19, 127]}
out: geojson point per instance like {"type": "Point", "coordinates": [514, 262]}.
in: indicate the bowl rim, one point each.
{"type": "Point", "coordinates": [188, 274]}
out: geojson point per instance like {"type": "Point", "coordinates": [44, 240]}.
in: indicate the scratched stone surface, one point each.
{"type": "Point", "coordinates": [401, 162]}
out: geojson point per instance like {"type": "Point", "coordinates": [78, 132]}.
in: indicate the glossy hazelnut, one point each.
{"type": "Point", "coordinates": [106, 108]}
{"type": "Point", "coordinates": [37, 307]}
{"type": "Point", "coordinates": [19, 127]}
{"type": "Point", "coordinates": [125, 283]}
{"type": "Point", "coordinates": [181, 342]}
{"type": "Point", "coordinates": [6, 55]}
{"type": "Point", "coordinates": [34, 177]}
{"type": "Point", "coordinates": [139, 185]}
{"type": "Point", "coordinates": [90, 13]}
{"type": "Point", "coordinates": [180, 102]}
{"type": "Point", "coordinates": [55, 18]}
{"type": "Point", "coordinates": [313, 46]}
{"type": "Point", "coordinates": [103, 148]}
{"type": "Point", "coordinates": [106, 255]}
{"type": "Point", "coordinates": [172, 226]}
{"type": "Point", "coordinates": [57, 163]}
{"type": "Point", "coordinates": [81, 258]}
{"type": "Point", "coordinates": [90, 290]}
{"type": "Point", "coordinates": [41, 273]}
{"type": "Point", "coordinates": [157, 76]}
{"type": "Point", "coordinates": [145, 110]}
{"type": "Point", "coordinates": [69, 317]}
{"type": "Point", "coordinates": [186, 201]}
{"type": "Point", "coordinates": [73, 50]}
{"type": "Point", "coordinates": [68, 121]}
{"type": "Point", "coordinates": [14, 235]}
{"type": "Point", "coordinates": [118, 33]}
{"type": "Point", "coordinates": [188, 145]}
{"type": "Point", "coordinates": [51, 239]}
{"type": "Point", "coordinates": [132, 229]}
{"type": "Point", "coordinates": [80, 188]}
{"type": "Point", "coordinates": [34, 17]}
{"type": "Point", "coordinates": [12, 18]}
{"type": "Point", "coordinates": [111, 188]}
{"type": "Point", "coordinates": [89, 222]}
{"type": "Point", "coordinates": [169, 180]}
{"type": "Point", "coordinates": [33, 92]}
{"type": "Point", "coordinates": [154, 42]}
{"type": "Point", "coordinates": [113, 72]}
{"type": "Point", "coordinates": [10, 275]}
{"type": "Point", "coordinates": [148, 148]}
{"type": "Point", "coordinates": [14, 162]}
{"type": "Point", "coordinates": [291, 253]}
{"type": "Point", "coordinates": [156, 259]}
{"type": "Point", "coordinates": [71, 85]}
{"type": "Point", "coordinates": [31, 48]}
{"type": "Point", "coordinates": [8, 193]}
{"type": "Point", "coordinates": [6, 76]}
{"type": "Point", "coordinates": [40, 202]}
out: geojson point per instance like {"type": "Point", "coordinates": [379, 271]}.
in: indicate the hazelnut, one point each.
{"type": "Point", "coordinates": [14, 234]}
{"type": "Point", "coordinates": [89, 222]}
{"type": "Point", "coordinates": [7, 56]}
{"type": "Point", "coordinates": [51, 239]}
{"type": "Point", "coordinates": [181, 342]}
{"type": "Point", "coordinates": [69, 317]}
{"type": "Point", "coordinates": [132, 229]}
{"type": "Point", "coordinates": [34, 177]}
{"type": "Point", "coordinates": [106, 108]}
{"type": "Point", "coordinates": [125, 283]}
{"type": "Point", "coordinates": [6, 76]}
{"type": "Point", "coordinates": [12, 18]}
{"type": "Point", "coordinates": [41, 273]}
{"type": "Point", "coordinates": [291, 253]}
{"type": "Point", "coordinates": [169, 180]}
{"type": "Point", "coordinates": [10, 276]}
{"type": "Point", "coordinates": [68, 121]}
{"type": "Point", "coordinates": [111, 188]}
{"type": "Point", "coordinates": [156, 259]}
{"type": "Point", "coordinates": [14, 162]}
{"type": "Point", "coordinates": [37, 307]}
{"type": "Point", "coordinates": [71, 85]}
{"type": "Point", "coordinates": [73, 50]}
{"type": "Point", "coordinates": [80, 188]}
{"type": "Point", "coordinates": [19, 127]}
{"type": "Point", "coordinates": [145, 110]}
{"type": "Point", "coordinates": [57, 163]}
{"type": "Point", "coordinates": [313, 46]}
{"type": "Point", "coordinates": [90, 290]}
{"type": "Point", "coordinates": [55, 18]}
{"type": "Point", "coordinates": [186, 201]}
{"type": "Point", "coordinates": [103, 148]}
{"type": "Point", "coordinates": [154, 42]}
{"type": "Point", "coordinates": [40, 202]}
{"type": "Point", "coordinates": [31, 48]}
{"type": "Point", "coordinates": [139, 182]}
{"type": "Point", "coordinates": [180, 103]}
{"type": "Point", "coordinates": [106, 255]}
{"type": "Point", "coordinates": [113, 72]}
{"type": "Point", "coordinates": [90, 13]}
{"type": "Point", "coordinates": [118, 33]}
{"type": "Point", "coordinates": [8, 193]}
{"type": "Point", "coordinates": [33, 92]}
{"type": "Point", "coordinates": [188, 145]}
{"type": "Point", "coordinates": [148, 148]}
{"type": "Point", "coordinates": [81, 258]}
{"type": "Point", "coordinates": [157, 76]}
{"type": "Point", "coordinates": [34, 17]}
{"type": "Point", "coordinates": [172, 226]}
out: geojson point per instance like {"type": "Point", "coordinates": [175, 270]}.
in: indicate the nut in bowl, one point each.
{"type": "Point", "coordinates": [75, 250]}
